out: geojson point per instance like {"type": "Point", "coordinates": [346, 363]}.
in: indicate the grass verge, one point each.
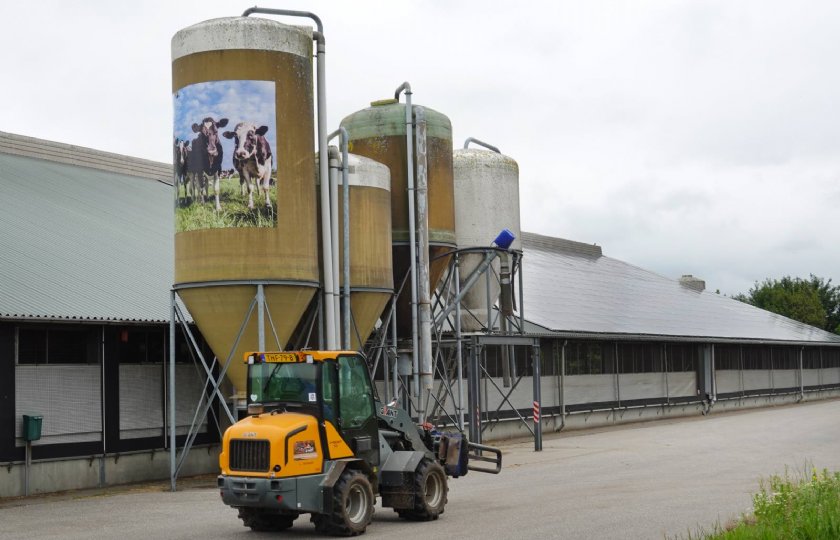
{"type": "Point", "coordinates": [786, 508]}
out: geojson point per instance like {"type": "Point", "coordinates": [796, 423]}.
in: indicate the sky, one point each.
{"type": "Point", "coordinates": [684, 137]}
{"type": "Point", "coordinates": [237, 101]}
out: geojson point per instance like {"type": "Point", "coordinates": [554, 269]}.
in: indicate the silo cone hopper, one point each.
{"type": "Point", "coordinates": [221, 312]}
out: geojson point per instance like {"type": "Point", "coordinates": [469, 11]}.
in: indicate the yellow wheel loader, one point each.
{"type": "Point", "coordinates": [318, 441]}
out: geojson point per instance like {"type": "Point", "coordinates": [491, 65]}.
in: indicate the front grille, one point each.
{"type": "Point", "coordinates": [249, 455]}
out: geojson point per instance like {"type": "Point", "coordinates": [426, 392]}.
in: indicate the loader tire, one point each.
{"type": "Point", "coordinates": [265, 521]}
{"type": "Point", "coordinates": [352, 506]}
{"type": "Point", "coordinates": [430, 493]}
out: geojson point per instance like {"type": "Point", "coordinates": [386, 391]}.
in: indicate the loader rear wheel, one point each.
{"type": "Point", "coordinates": [430, 493]}
{"type": "Point", "coordinates": [352, 506]}
{"type": "Point", "coordinates": [263, 520]}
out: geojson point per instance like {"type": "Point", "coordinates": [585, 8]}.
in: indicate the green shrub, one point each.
{"type": "Point", "coordinates": [806, 509]}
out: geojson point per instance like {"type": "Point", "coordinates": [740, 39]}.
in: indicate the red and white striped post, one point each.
{"type": "Point", "coordinates": [535, 362]}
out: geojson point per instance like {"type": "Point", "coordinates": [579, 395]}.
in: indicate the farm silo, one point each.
{"type": "Point", "coordinates": [243, 100]}
{"type": "Point", "coordinates": [371, 277]}
{"type": "Point", "coordinates": [379, 133]}
{"type": "Point", "coordinates": [486, 201]}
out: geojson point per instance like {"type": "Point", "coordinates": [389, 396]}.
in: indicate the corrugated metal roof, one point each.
{"type": "Point", "coordinates": [84, 235]}
{"type": "Point", "coordinates": [571, 288]}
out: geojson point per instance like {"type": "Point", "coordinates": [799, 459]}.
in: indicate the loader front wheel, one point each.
{"type": "Point", "coordinates": [352, 506]}
{"type": "Point", "coordinates": [430, 493]}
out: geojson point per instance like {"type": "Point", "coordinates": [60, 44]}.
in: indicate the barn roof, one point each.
{"type": "Point", "coordinates": [87, 235]}
{"type": "Point", "coordinates": [84, 235]}
{"type": "Point", "coordinates": [574, 290]}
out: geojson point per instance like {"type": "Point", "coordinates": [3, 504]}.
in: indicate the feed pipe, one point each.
{"type": "Point", "coordinates": [335, 299]}
{"type": "Point", "coordinates": [412, 234]}
{"type": "Point", "coordinates": [424, 303]}
{"type": "Point", "coordinates": [344, 143]}
{"type": "Point", "coordinates": [318, 37]}
{"type": "Point", "coordinates": [480, 143]}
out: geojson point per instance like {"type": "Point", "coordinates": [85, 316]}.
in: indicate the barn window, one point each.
{"type": "Point", "coordinates": [682, 357]}
{"type": "Point", "coordinates": [58, 345]}
{"type": "Point", "coordinates": [727, 357]}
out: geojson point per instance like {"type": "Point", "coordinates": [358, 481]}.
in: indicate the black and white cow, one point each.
{"type": "Point", "coordinates": [181, 155]}
{"type": "Point", "coordinates": [252, 158]}
{"type": "Point", "coordinates": [205, 161]}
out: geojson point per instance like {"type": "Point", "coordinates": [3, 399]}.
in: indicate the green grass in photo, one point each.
{"type": "Point", "coordinates": [192, 214]}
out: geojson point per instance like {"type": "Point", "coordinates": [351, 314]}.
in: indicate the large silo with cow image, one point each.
{"type": "Point", "coordinates": [244, 179]}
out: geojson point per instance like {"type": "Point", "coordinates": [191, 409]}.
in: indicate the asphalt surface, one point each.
{"type": "Point", "coordinates": [651, 480]}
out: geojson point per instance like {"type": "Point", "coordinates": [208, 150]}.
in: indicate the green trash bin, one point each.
{"type": "Point", "coordinates": [32, 427]}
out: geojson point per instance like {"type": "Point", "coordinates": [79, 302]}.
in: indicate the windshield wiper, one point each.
{"type": "Point", "coordinates": [271, 376]}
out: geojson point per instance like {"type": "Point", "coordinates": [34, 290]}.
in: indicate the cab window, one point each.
{"type": "Point", "coordinates": [355, 395]}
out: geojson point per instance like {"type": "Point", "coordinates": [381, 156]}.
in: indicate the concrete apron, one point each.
{"type": "Point", "coordinates": [49, 476]}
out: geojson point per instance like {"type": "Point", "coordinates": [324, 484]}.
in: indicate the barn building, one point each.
{"type": "Point", "coordinates": [87, 267]}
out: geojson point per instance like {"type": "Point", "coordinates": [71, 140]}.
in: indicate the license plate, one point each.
{"type": "Point", "coordinates": [281, 357]}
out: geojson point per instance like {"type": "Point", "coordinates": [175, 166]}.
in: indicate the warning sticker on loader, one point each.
{"type": "Point", "coordinates": [305, 450]}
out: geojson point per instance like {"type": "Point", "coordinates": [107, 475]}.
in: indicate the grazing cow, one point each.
{"type": "Point", "coordinates": [180, 161]}
{"type": "Point", "coordinates": [252, 158]}
{"type": "Point", "coordinates": [205, 162]}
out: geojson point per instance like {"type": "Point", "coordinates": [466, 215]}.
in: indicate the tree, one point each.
{"type": "Point", "coordinates": [830, 300]}
{"type": "Point", "coordinates": [813, 301]}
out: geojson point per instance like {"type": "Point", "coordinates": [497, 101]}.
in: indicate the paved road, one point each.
{"type": "Point", "coordinates": [643, 481]}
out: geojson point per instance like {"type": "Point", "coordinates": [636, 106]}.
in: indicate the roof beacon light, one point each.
{"type": "Point", "coordinates": [505, 239]}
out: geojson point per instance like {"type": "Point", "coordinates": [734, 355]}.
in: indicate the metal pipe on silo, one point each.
{"type": "Point", "coordinates": [336, 288]}
{"type": "Point", "coordinates": [318, 37]}
{"type": "Point", "coordinates": [459, 353]}
{"type": "Point", "coordinates": [480, 143]}
{"type": "Point", "coordinates": [344, 144]}
{"type": "Point", "coordinates": [345, 182]}
{"type": "Point", "coordinates": [171, 389]}
{"type": "Point", "coordinates": [424, 304]}
{"type": "Point", "coordinates": [412, 233]}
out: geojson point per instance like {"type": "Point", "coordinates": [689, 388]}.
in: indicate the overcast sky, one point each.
{"type": "Point", "coordinates": [696, 137]}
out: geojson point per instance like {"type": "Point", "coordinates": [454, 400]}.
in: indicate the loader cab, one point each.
{"type": "Point", "coordinates": [333, 387]}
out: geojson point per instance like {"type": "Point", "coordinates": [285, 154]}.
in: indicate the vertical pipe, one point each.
{"type": "Point", "coordinates": [395, 374]}
{"type": "Point", "coordinates": [458, 348]}
{"type": "Point", "coordinates": [563, 383]}
{"type": "Point", "coordinates": [412, 235]}
{"type": "Point", "coordinates": [260, 317]}
{"type": "Point", "coordinates": [714, 373]}
{"type": "Point", "coordinates": [535, 359]}
{"type": "Point", "coordinates": [335, 299]}
{"type": "Point", "coordinates": [741, 366]}
{"type": "Point", "coordinates": [617, 370]}
{"type": "Point", "coordinates": [173, 300]}
{"type": "Point", "coordinates": [665, 369]}
{"type": "Point", "coordinates": [489, 324]}
{"type": "Point", "coordinates": [27, 465]}
{"type": "Point", "coordinates": [521, 299]}
{"type": "Point", "coordinates": [345, 182]}
{"type": "Point", "coordinates": [772, 374]}
{"type": "Point", "coordinates": [801, 374]}
{"type": "Point", "coordinates": [424, 302]}
{"type": "Point", "coordinates": [473, 395]}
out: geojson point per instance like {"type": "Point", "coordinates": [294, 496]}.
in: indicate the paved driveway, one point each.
{"type": "Point", "coordinates": [640, 481]}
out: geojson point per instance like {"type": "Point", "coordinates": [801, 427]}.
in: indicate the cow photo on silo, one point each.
{"type": "Point", "coordinates": [225, 166]}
